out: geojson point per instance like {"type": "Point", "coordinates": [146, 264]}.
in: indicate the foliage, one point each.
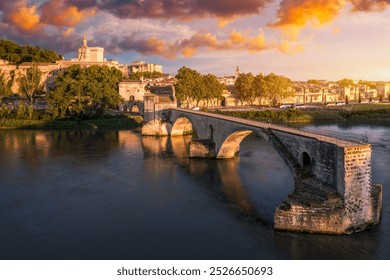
{"type": "Point", "coordinates": [346, 82]}
{"type": "Point", "coordinates": [270, 116]}
{"type": "Point", "coordinates": [271, 87]}
{"type": "Point", "coordinates": [117, 122]}
{"type": "Point", "coordinates": [369, 84]}
{"type": "Point", "coordinates": [245, 88]}
{"type": "Point", "coordinates": [17, 54]}
{"type": "Point", "coordinates": [85, 90]}
{"type": "Point", "coordinates": [5, 85]}
{"type": "Point", "coordinates": [191, 85]}
{"type": "Point", "coordinates": [137, 76]}
{"type": "Point", "coordinates": [213, 88]}
{"type": "Point", "coordinates": [314, 82]}
{"type": "Point", "coordinates": [30, 86]}
{"type": "Point", "coordinates": [275, 88]}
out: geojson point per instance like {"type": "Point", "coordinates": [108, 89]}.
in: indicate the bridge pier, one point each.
{"type": "Point", "coordinates": [204, 148]}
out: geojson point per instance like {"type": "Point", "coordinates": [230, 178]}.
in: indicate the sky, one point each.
{"type": "Point", "coordinates": [300, 39]}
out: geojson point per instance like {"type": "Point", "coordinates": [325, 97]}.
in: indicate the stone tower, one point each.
{"type": "Point", "coordinates": [84, 51]}
{"type": "Point", "coordinates": [237, 73]}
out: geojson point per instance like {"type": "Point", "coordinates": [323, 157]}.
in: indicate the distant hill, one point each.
{"type": "Point", "coordinates": [17, 54]}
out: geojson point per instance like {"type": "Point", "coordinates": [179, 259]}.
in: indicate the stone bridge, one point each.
{"type": "Point", "coordinates": [333, 193]}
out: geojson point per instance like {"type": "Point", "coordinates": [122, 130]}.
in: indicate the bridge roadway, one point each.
{"type": "Point", "coordinates": [258, 124]}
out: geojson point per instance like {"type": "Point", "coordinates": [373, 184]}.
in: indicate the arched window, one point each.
{"type": "Point", "coordinates": [306, 161]}
{"type": "Point", "coordinates": [211, 129]}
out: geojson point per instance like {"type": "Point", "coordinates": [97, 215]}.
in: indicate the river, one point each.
{"type": "Point", "coordinates": [117, 195]}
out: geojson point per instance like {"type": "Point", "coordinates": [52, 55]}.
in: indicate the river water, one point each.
{"type": "Point", "coordinates": [116, 195]}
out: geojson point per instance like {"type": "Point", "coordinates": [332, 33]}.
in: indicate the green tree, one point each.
{"type": "Point", "coordinates": [189, 85]}
{"type": "Point", "coordinates": [85, 90]}
{"type": "Point", "coordinates": [5, 85]}
{"type": "Point", "coordinates": [213, 88]}
{"type": "Point", "coordinates": [137, 76]}
{"type": "Point", "coordinates": [314, 82]}
{"type": "Point", "coordinates": [17, 54]}
{"type": "Point", "coordinates": [244, 88]}
{"type": "Point", "coordinates": [260, 86]}
{"type": "Point", "coordinates": [31, 86]}
{"type": "Point", "coordinates": [276, 87]}
{"type": "Point", "coordinates": [346, 82]}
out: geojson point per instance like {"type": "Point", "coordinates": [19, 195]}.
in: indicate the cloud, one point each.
{"type": "Point", "coordinates": [183, 10]}
{"type": "Point", "coordinates": [303, 12]}
{"type": "Point", "coordinates": [60, 13]}
{"type": "Point", "coordinates": [162, 27]}
{"type": "Point", "coordinates": [369, 5]}
{"type": "Point", "coordinates": [187, 47]}
{"type": "Point", "coordinates": [22, 16]}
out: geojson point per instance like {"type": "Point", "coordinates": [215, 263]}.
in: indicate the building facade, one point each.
{"type": "Point", "coordinates": [141, 66]}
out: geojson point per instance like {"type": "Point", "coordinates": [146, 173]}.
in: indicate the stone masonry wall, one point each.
{"type": "Point", "coordinates": [357, 174]}
{"type": "Point", "coordinates": [323, 155]}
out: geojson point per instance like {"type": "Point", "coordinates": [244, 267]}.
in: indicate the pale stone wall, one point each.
{"type": "Point", "coordinates": [96, 54]}
{"type": "Point", "coordinates": [132, 88]}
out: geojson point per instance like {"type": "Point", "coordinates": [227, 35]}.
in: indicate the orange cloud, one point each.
{"type": "Point", "coordinates": [237, 38]}
{"type": "Point", "coordinates": [302, 12]}
{"type": "Point", "coordinates": [58, 13]}
{"type": "Point", "coordinates": [294, 15]}
{"type": "Point", "coordinates": [290, 48]}
{"type": "Point", "coordinates": [188, 51]}
{"type": "Point", "coordinates": [256, 44]}
{"type": "Point", "coordinates": [24, 17]}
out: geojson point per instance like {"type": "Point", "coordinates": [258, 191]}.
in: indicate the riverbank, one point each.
{"type": "Point", "coordinates": [348, 113]}
{"type": "Point", "coordinates": [106, 122]}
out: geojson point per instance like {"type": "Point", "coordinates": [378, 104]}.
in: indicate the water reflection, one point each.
{"type": "Point", "coordinates": [222, 173]}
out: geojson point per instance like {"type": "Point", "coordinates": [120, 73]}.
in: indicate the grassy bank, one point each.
{"type": "Point", "coordinates": [116, 122]}
{"type": "Point", "coordinates": [349, 113]}
{"type": "Point", "coordinates": [270, 116]}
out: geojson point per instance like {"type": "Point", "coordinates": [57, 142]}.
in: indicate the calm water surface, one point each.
{"type": "Point", "coordinates": [117, 195]}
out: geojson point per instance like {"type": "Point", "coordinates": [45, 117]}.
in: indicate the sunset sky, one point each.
{"type": "Point", "coordinates": [300, 39]}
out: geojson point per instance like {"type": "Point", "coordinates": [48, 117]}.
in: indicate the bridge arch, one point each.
{"type": "Point", "coordinates": [231, 145]}
{"type": "Point", "coordinates": [181, 126]}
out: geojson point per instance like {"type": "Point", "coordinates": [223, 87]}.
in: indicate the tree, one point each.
{"type": "Point", "coordinates": [276, 87]}
{"type": "Point", "coordinates": [213, 88]}
{"type": "Point", "coordinates": [346, 82]}
{"type": "Point", "coordinates": [17, 54]}
{"type": "Point", "coordinates": [314, 82]}
{"type": "Point", "coordinates": [147, 74]}
{"type": "Point", "coordinates": [260, 86]}
{"type": "Point", "coordinates": [5, 85]}
{"type": "Point", "coordinates": [189, 85]}
{"type": "Point", "coordinates": [31, 86]}
{"type": "Point", "coordinates": [244, 87]}
{"type": "Point", "coordinates": [85, 90]}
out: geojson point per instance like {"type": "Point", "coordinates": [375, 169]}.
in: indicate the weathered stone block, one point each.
{"type": "Point", "coordinates": [156, 128]}
{"type": "Point", "coordinates": [204, 148]}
